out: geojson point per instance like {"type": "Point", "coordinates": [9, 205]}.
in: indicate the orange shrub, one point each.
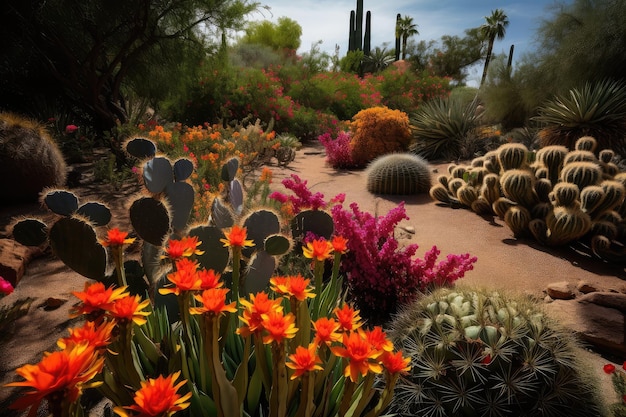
{"type": "Point", "coordinates": [377, 131]}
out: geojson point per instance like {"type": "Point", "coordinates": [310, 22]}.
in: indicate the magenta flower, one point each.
{"type": "Point", "coordinates": [69, 129]}
{"type": "Point", "coordinates": [5, 287]}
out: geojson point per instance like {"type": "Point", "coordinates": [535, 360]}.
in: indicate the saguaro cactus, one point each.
{"type": "Point", "coordinates": [356, 41]}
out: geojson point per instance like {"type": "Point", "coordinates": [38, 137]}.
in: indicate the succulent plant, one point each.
{"type": "Point", "coordinates": [512, 156]}
{"type": "Point", "coordinates": [399, 174]}
{"type": "Point", "coordinates": [30, 160]}
{"type": "Point", "coordinates": [480, 353]}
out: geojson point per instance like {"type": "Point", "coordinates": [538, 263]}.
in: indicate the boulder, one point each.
{"type": "Point", "coordinates": [13, 259]}
{"type": "Point", "coordinates": [560, 290]}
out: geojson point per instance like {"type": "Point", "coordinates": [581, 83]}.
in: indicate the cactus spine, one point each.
{"type": "Point", "coordinates": [398, 173]}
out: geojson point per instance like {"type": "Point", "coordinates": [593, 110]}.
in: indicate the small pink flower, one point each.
{"type": "Point", "coordinates": [69, 129]}
{"type": "Point", "coordinates": [5, 287]}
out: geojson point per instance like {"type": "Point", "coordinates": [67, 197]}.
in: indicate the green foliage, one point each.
{"type": "Point", "coordinates": [398, 174]}
{"type": "Point", "coordinates": [92, 56]}
{"type": "Point", "coordinates": [596, 109]}
{"type": "Point", "coordinates": [352, 61]}
{"type": "Point", "coordinates": [440, 127]}
{"type": "Point", "coordinates": [493, 28]}
{"type": "Point", "coordinates": [485, 353]}
{"type": "Point", "coordinates": [405, 28]}
{"type": "Point", "coordinates": [282, 36]}
{"type": "Point", "coordinates": [30, 160]}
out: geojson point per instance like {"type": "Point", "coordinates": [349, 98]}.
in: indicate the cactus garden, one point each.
{"type": "Point", "coordinates": [203, 224]}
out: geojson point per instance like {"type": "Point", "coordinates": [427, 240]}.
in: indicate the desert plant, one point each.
{"type": "Point", "coordinates": [377, 131]}
{"type": "Point", "coordinates": [30, 160]}
{"type": "Point", "coordinates": [597, 110]}
{"type": "Point", "coordinates": [398, 173]}
{"type": "Point", "coordinates": [484, 353]}
{"type": "Point", "coordinates": [441, 126]}
{"type": "Point", "coordinates": [338, 153]}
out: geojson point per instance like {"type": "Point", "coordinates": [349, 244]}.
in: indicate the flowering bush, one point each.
{"type": "Point", "coordinates": [338, 153]}
{"type": "Point", "coordinates": [380, 275]}
{"type": "Point", "coordinates": [377, 131]}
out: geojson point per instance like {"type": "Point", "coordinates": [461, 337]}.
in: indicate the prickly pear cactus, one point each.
{"type": "Point", "coordinates": [479, 353]}
{"type": "Point", "coordinates": [398, 174]}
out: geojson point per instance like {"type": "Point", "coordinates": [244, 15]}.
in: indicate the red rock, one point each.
{"type": "Point", "coordinates": [560, 290]}
{"type": "Point", "coordinates": [13, 259]}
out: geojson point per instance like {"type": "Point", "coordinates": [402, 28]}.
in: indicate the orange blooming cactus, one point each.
{"type": "Point", "coordinates": [326, 331]}
{"type": "Point", "coordinates": [304, 360]}
{"type": "Point", "coordinates": [278, 326]}
{"type": "Point", "coordinates": [96, 298]}
{"type": "Point", "coordinates": [115, 238]}
{"type": "Point", "coordinates": [395, 363]}
{"type": "Point", "coordinates": [59, 376]}
{"type": "Point", "coordinates": [213, 302]}
{"type": "Point", "coordinates": [362, 357]}
{"type": "Point", "coordinates": [339, 244]}
{"type": "Point", "coordinates": [254, 309]}
{"type": "Point", "coordinates": [348, 318]}
{"type": "Point", "coordinates": [157, 398]}
{"type": "Point", "coordinates": [130, 308]}
{"type": "Point", "coordinates": [236, 237]}
{"type": "Point", "coordinates": [98, 336]}
{"type": "Point", "coordinates": [184, 247]}
{"type": "Point", "coordinates": [318, 249]}
{"type": "Point", "coordinates": [184, 278]}
{"type": "Point", "coordinates": [294, 286]}
{"type": "Point", "coordinates": [378, 339]}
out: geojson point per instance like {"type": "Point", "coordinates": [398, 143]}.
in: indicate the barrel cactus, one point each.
{"type": "Point", "coordinates": [398, 173]}
{"type": "Point", "coordinates": [479, 353]}
{"type": "Point", "coordinates": [30, 160]}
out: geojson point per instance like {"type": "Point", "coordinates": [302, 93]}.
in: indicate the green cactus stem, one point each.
{"type": "Point", "coordinates": [512, 156]}
{"type": "Point", "coordinates": [398, 174]}
{"type": "Point", "coordinates": [140, 147]}
{"type": "Point", "coordinates": [552, 158]}
{"type": "Point", "coordinates": [519, 186]}
{"type": "Point", "coordinates": [518, 218]}
{"type": "Point", "coordinates": [150, 219]}
{"type": "Point", "coordinates": [581, 173]}
{"type": "Point", "coordinates": [565, 194]}
{"type": "Point", "coordinates": [586, 143]}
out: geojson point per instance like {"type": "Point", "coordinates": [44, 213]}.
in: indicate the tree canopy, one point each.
{"type": "Point", "coordinates": [282, 36]}
{"type": "Point", "coordinates": [89, 55]}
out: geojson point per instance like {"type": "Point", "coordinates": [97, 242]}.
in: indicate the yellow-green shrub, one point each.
{"type": "Point", "coordinates": [377, 131]}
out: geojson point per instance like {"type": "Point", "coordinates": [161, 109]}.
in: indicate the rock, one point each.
{"type": "Point", "coordinates": [600, 326]}
{"type": "Point", "coordinates": [13, 259]}
{"type": "Point", "coordinates": [585, 287]}
{"type": "Point", "coordinates": [613, 300]}
{"type": "Point", "coordinates": [560, 290]}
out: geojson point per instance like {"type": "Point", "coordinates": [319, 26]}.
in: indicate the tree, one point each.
{"type": "Point", "coordinates": [378, 59]}
{"type": "Point", "coordinates": [493, 28]}
{"type": "Point", "coordinates": [89, 55]}
{"type": "Point", "coordinates": [405, 28]}
{"type": "Point", "coordinates": [283, 36]}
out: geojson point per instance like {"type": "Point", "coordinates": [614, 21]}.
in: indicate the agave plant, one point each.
{"type": "Point", "coordinates": [597, 110]}
{"type": "Point", "coordinates": [440, 128]}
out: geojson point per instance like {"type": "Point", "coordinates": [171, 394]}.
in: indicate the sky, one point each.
{"type": "Point", "coordinates": [328, 20]}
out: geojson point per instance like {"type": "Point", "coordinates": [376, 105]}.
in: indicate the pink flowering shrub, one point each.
{"type": "Point", "coordinates": [380, 276]}
{"type": "Point", "coordinates": [338, 153]}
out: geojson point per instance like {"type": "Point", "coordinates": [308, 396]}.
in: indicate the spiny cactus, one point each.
{"type": "Point", "coordinates": [583, 174]}
{"type": "Point", "coordinates": [480, 353]}
{"type": "Point", "coordinates": [30, 160]}
{"type": "Point", "coordinates": [512, 156]}
{"type": "Point", "coordinates": [399, 174]}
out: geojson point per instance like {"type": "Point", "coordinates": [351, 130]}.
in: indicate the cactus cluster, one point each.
{"type": "Point", "coordinates": [157, 217]}
{"type": "Point", "coordinates": [398, 174]}
{"type": "Point", "coordinates": [357, 40]}
{"type": "Point", "coordinates": [30, 160]}
{"type": "Point", "coordinates": [480, 353]}
{"type": "Point", "coordinates": [556, 196]}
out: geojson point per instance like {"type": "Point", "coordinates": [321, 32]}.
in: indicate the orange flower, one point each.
{"type": "Point", "coordinates": [266, 175]}
{"type": "Point", "coordinates": [130, 308]}
{"type": "Point", "coordinates": [294, 286]}
{"type": "Point", "coordinates": [394, 362]}
{"type": "Point", "coordinates": [304, 360]}
{"type": "Point", "coordinates": [326, 331]}
{"type": "Point", "coordinates": [213, 302]}
{"type": "Point", "coordinates": [253, 311]}
{"type": "Point", "coordinates": [185, 247]}
{"type": "Point", "coordinates": [236, 237]}
{"type": "Point", "coordinates": [185, 278]}
{"type": "Point", "coordinates": [59, 375]}
{"type": "Point", "coordinates": [339, 244]}
{"type": "Point", "coordinates": [96, 336]}
{"type": "Point", "coordinates": [362, 357]}
{"type": "Point", "coordinates": [116, 238]}
{"type": "Point", "coordinates": [209, 279]}
{"type": "Point", "coordinates": [96, 297]}
{"type": "Point", "coordinates": [318, 249]}
{"type": "Point", "coordinates": [378, 339]}
{"type": "Point", "coordinates": [157, 397]}
{"type": "Point", "coordinates": [349, 319]}
{"type": "Point", "coordinates": [278, 326]}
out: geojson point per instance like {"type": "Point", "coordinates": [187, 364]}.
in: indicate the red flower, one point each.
{"type": "Point", "coordinates": [5, 287]}
{"type": "Point", "coordinates": [115, 237]}
{"type": "Point", "coordinates": [69, 129]}
{"type": "Point", "coordinates": [158, 397]}
{"type": "Point", "coordinates": [236, 237]}
{"type": "Point", "coordinates": [609, 368]}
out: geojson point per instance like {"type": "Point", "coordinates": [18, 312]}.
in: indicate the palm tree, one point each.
{"type": "Point", "coordinates": [405, 28]}
{"type": "Point", "coordinates": [493, 28]}
{"type": "Point", "coordinates": [378, 59]}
